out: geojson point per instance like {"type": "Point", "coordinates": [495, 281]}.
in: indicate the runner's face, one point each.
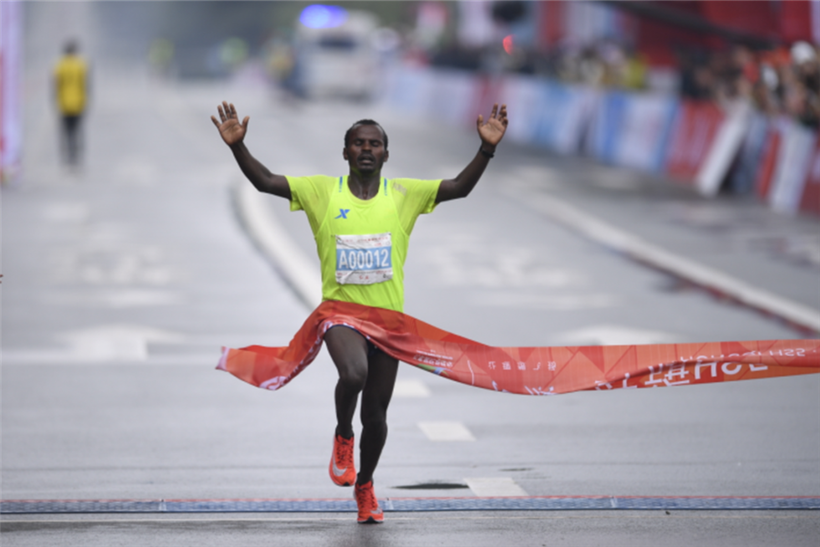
{"type": "Point", "coordinates": [365, 152]}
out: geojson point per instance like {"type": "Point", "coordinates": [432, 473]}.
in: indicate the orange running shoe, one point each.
{"type": "Point", "coordinates": [342, 470]}
{"type": "Point", "coordinates": [369, 510]}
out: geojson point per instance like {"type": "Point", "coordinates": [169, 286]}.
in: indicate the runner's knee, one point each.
{"type": "Point", "coordinates": [348, 349]}
{"type": "Point", "coordinates": [352, 377]}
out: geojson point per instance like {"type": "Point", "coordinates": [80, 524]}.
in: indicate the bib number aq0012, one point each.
{"type": "Point", "coordinates": [364, 259]}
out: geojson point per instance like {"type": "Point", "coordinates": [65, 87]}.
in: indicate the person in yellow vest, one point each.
{"type": "Point", "coordinates": [71, 94]}
{"type": "Point", "coordinates": [362, 224]}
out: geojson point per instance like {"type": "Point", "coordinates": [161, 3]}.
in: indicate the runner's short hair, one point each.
{"type": "Point", "coordinates": [365, 122]}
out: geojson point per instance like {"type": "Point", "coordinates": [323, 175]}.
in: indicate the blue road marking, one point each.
{"type": "Point", "coordinates": [529, 503]}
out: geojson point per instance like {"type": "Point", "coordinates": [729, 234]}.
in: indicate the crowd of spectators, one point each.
{"type": "Point", "coordinates": [781, 81]}
{"type": "Point", "coordinates": [603, 64]}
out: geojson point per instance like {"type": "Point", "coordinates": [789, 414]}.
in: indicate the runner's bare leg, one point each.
{"type": "Point", "coordinates": [381, 377]}
{"type": "Point", "coordinates": [375, 377]}
{"type": "Point", "coordinates": [348, 349]}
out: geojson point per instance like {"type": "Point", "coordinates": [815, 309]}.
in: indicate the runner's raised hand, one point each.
{"type": "Point", "coordinates": [492, 131]}
{"type": "Point", "coordinates": [230, 129]}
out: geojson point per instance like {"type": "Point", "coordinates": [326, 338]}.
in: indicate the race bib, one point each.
{"type": "Point", "coordinates": [364, 259]}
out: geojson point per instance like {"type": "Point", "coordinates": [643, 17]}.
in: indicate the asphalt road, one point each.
{"type": "Point", "coordinates": [123, 279]}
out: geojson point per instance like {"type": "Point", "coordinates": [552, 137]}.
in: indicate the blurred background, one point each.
{"type": "Point", "coordinates": [655, 149]}
{"type": "Point", "coordinates": [715, 94]}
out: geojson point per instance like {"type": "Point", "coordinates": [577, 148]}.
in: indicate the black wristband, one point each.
{"type": "Point", "coordinates": [488, 155]}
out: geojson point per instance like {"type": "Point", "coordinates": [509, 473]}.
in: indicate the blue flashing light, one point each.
{"type": "Point", "coordinates": [320, 16]}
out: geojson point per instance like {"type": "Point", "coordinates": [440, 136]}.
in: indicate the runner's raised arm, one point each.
{"type": "Point", "coordinates": [491, 132]}
{"type": "Point", "coordinates": [233, 133]}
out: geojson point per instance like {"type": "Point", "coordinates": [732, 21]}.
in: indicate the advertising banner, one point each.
{"type": "Point", "coordinates": [792, 164]}
{"type": "Point", "coordinates": [810, 200]}
{"type": "Point", "coordinates": [523, 370]}
{"type": "Point", "coordinates": [693, 133]}
{"type": "Point", "coordinates": [524, 96]}
{"type": "Point", "coordinates": [724, 149]}
{"type": "Point", "coordinates": [487, 92]}
{"type": "Point", "coordinates": [607, 119]}
{"type": "Point", "coordinates": [11, 123]}
{"type": "Point", "coordinates": [451, 96]}
{"type": "Point", "coordinates": [644, 132]}
{"type": "Point", "coordinates": [751, 154]}
{"type": "Point", "coordinates": [411, 89]}
{"type": "Point", "coordinates": [564, 117]}
{"type": "Point", "coordinates": [768, 157]}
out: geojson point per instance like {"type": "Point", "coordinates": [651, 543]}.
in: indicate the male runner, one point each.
{"type": "Point", "coordinates": [362, 224]}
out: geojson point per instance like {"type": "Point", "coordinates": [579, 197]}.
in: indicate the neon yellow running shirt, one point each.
{"type": "Point", "coordinates": [362, 244]}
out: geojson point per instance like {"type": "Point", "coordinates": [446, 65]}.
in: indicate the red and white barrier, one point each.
{"type": "Point", "coordinates": [695, 129]}
{"type": "Point", "coordinates": [725, 148]}
{"type": "Point", "coordinates": [796, 149]}
{"type": "Point", "coordinates": [810, 199]}
{"type": "Point", "coordinates": [695, 142]}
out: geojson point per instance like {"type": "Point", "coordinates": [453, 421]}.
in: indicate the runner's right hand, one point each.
{"type": "Point", "coordinates": [230, 129]}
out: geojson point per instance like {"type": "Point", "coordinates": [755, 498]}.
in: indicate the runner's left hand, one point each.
{"type": "Point", "coordinates": [492, 131]}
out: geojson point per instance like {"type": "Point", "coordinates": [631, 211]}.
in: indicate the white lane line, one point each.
{"type": "Point", "coordinates": [606, 234]}
{"type": "Point", "coordinates": [277, 245]}
{"type": "Point", "coordinates": [411, 389]}
{"type": "Point", "coordinates": [494, 486]}
{"type": "Point", "coordinates": [446, 431]}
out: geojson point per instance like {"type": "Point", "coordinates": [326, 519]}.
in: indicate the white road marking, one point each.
{"type": "Point", "coordinates": [410, 389]}
{"type": "Point", "coordinates": [98, 344]}
{"type": "Point", "coordinates": [278, 246]}
{"type": "Point", "coordinates": [494, 486]}
{"type": "Point", "coordinates": [610, 236]}
{"type": "Point", "coordinates": [446, 431]}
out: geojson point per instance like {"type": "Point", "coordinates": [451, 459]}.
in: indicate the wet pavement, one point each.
{"type": "Point", "coordinates": [122, 279]}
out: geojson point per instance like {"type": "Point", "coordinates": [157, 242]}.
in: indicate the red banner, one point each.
{"type": "Point", "coordinates": [528, 371]}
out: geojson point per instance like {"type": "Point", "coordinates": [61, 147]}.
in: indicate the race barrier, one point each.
{"type": "Point", "coordinates": [810, 197]}
{"type": "Point", "coordinates": [695, 128]}
{"type": "Point", "coordinates": [794, 151]}
{"type": "Point", "coordinates": [749, 158]}
{"type": "Point", "coordinates": [698, 143]}
{"type": "Point", "coordinates": [633, 130]}
{"type": "Point", "coordinates": [523, 370]}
